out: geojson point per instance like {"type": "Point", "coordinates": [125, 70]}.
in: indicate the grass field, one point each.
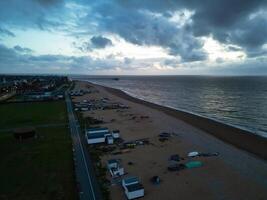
{"type": "Point", "coordinates": [35, 113]}
{"type": "Point", "coordinates": [37, 168]}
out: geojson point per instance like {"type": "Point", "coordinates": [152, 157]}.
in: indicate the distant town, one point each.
{"type": "Point", "coordinates": [32, 88]}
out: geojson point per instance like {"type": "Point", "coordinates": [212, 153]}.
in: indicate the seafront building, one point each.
{"type": "Point", "coordinates": [100, 135]}
{"type": "Point", "coordinates": [133, 188]}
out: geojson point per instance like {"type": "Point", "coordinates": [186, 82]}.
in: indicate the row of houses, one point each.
{"type": "Point", "coordinates": [32, 87]}
{"type": "Point", "coordinates": [101, 135]}
{"type": "Point", "coordinates": [131, 185]}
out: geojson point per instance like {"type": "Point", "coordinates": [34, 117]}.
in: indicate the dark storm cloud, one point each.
{"type": "Point", "coordinates": [96, 42]}
{"type": "Point", "coordinates": [22, 49]}
{"type": "Point", "coordinates": [13, 53]}
{"type": "Point", "coordinates": [5, 32]}
{"type": "Point", "coordinates": [208, 13]}
{"type": "Point", "coordinates": [100, 42]}
{"type": "Point", "coordinates": [143, 27]}
{"type": "Point", "coordinates": [241, 24]}
{"type": "Point", "coordinates": [6, 52]}
{"type": "Point", "coordinates": [221, 15]}
{"type": "Point", "coordinates": [250, 34]}
{"type": "Point", "coordinates": [50, 2]}
{"type": "Point", "coordinates": [15, 60]}
{"type": "Point", "coordinates": [228, 21]}
{"type": "Point", "coordinates": [43, 14]}
{"type": "Point", "coordinates": [233, 48]}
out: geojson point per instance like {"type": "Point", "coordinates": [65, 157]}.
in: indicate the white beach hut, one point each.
{"type": "Point", "coordinates": [133, 188]}
{"type": "Point", "coordinates": [115, 168]}
{"type": "Point", "coordinates": [116, 134]}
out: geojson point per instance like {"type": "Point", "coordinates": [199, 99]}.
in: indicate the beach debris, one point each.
{"type": "Point", "coordinates": [163, 139]}
{"type": "Point", "coordinates": [139, 143]}
{"type": "Point", "coordinates": [198, 154]}
{"type": "Point", "coordinates": [193, 154]}
{"type": "Point", "coordinates": [144, 117]}
{"type": "Point", "coordinates": [117, 153]}
{"type": "Point", "coordinates": [107, 149]}
{"type": "Point", "coordinates": [94, 121]}
{"type": "Point", "coordinates": [125, 150]}
{"type": "Point", "coordinates": [134, 143]}
{"type": "Point", "coordinates": [176, 167]}
{"type": "Point", "coordinates": [128, 145]}
{"type": "Point", "coordinates": [96, 104]}
{"type": "Point", "coordinates": [164, 135]}
{"type": "Point", "coordinates": [175, 157]}
{"type": "Point", "coordinates": [155, 180]}
{"type": "Point", "coordinates": [142, 141]}
{"type": "Point", "coordinates": [208, 154]}
{"type": "Point", "coordinates": [193, 164]}
{"type": "Point", "coordinates": [188, 165]}
{"type": "Point", "coordinates": [119, 141]}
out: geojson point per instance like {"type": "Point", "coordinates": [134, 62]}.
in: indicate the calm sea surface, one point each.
{"type": "Point", "coordinates": [239, 101]}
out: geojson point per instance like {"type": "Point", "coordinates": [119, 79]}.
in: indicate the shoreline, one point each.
{"type": "Point", "coordinates": [257, 133]}
{"type": "Point", "coordinates": [235, 136]}
{"type": "Point", "coordinates": [231, 172]}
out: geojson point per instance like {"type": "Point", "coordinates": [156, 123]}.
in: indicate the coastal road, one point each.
{"type": "Point", "coordinates": [87, 182]}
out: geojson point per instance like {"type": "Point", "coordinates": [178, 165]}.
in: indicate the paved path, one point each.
{"type": "Point", "coordinates": [87, 183]}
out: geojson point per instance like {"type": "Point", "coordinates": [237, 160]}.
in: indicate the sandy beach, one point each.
{"type": "Point", "coordinates": [239, 172]}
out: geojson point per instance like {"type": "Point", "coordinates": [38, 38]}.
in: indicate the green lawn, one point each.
{"type": "Point", "coordinates": [37, 169]}
{"type": "Point", "coordinates": [26, 114]}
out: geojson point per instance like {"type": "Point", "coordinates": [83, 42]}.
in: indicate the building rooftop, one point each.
{"type": "Point", "coordinates": [134, 187]}
{"type": "Point", "coordinates": [97, 129]}
{"type": "Point", "coordinates": [95, 135]}
{"type": "Point", "coordinates": [111, 161]}
{"type": "Point", "coordinates": [131, 180]}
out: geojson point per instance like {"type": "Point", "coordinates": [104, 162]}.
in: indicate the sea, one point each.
{"type": "Point", "coordinates": [240, 101]}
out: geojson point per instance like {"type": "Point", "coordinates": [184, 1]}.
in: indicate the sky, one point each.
{"type": "Point", "coordinates": [134, 37]}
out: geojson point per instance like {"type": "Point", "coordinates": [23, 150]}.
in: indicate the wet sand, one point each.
{"type": "Point", "coordinates": [234, 174]}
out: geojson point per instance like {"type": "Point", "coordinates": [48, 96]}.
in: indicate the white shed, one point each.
{"type": "Point", "coordinates": [116, 134]}
{"type": "Point", "coordinates": [134, 191]}
{"type": "Point", "coordinates": [97, 130]}
{"type": "Point", "coordinates": [115, 167]}
{"type": "Point", "coordinates": [100, 135]}
{"type": "Point", "coordinates": [95, 138]}
{"type": "Point", "coordinates": [133, 188]}
{"type": "Point", "coordinates": [109, 139]}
